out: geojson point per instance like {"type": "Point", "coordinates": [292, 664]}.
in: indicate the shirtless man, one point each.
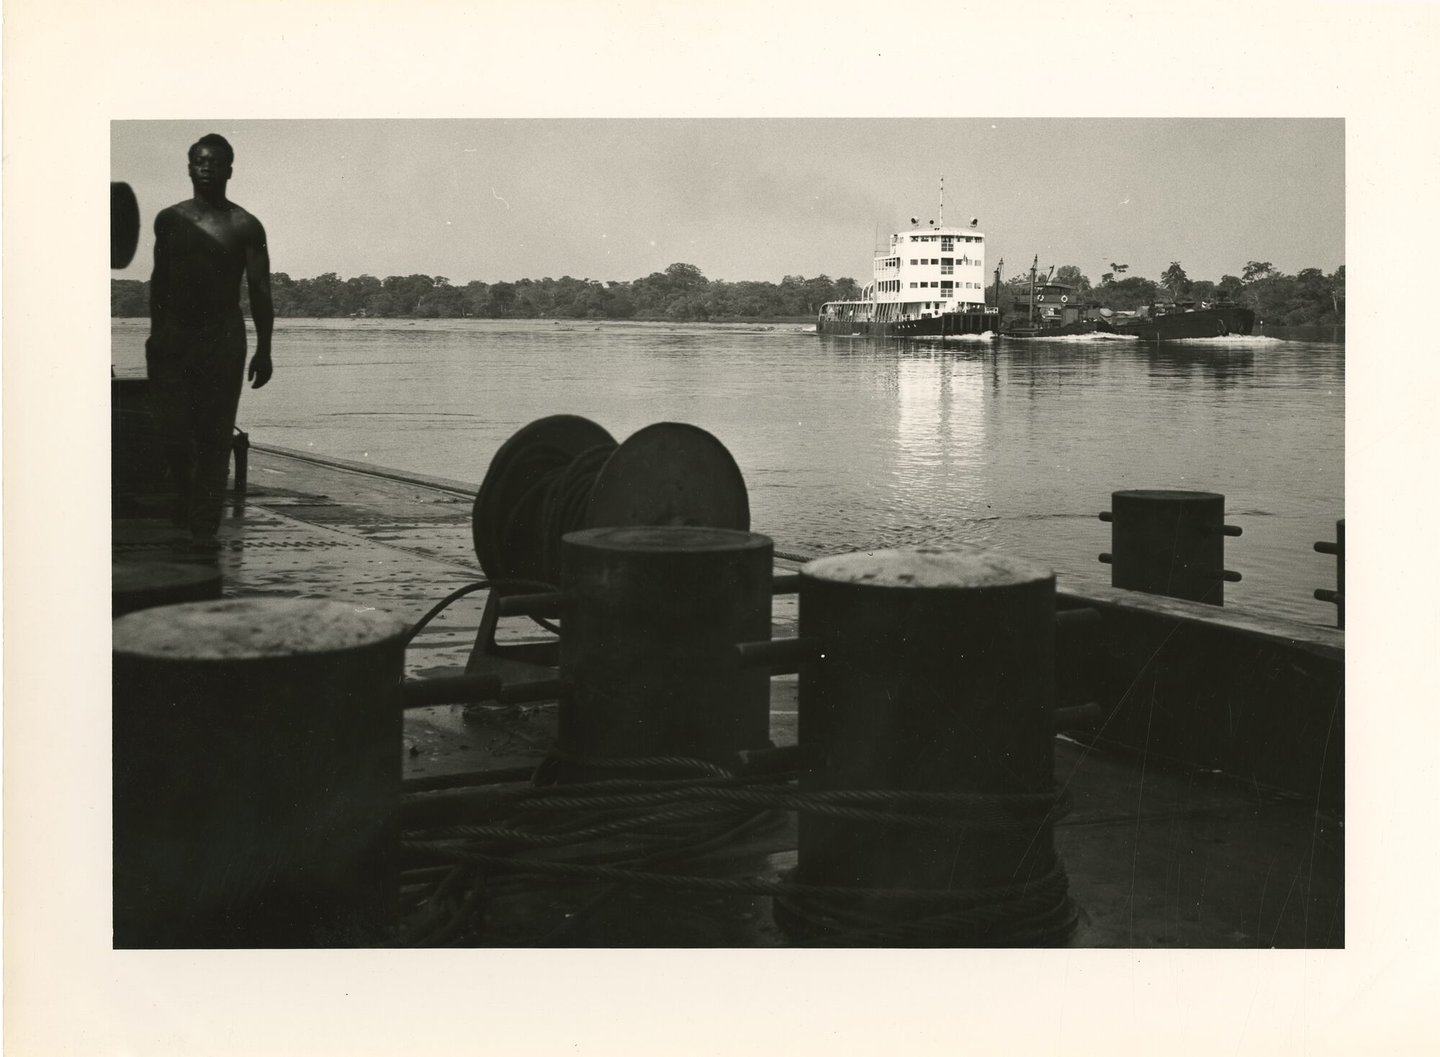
{"type": "Point", "coordinates": [195, 357]}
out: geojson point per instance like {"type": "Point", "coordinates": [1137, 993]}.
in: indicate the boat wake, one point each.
{"type": "Point", "coordinates": [956, 339]}
{"type": "Point", "coordinates": [1074, 339]}
{"type": "Point", "coordinates": [1230, 341]}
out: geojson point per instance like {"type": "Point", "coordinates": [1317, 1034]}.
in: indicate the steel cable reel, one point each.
{"type": "Point", "coordinates": [517, 468]}
{"type": "Point", "coordinates": [564, 472]}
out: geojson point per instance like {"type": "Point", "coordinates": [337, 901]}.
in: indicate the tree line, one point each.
{"type": "Point", "coordinates": [680, 293]}
{"type": "Point", "coordinates": [1308, 297]}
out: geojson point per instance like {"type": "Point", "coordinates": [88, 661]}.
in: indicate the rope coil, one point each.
{"type": "Point", "coordinates": [513, 835]}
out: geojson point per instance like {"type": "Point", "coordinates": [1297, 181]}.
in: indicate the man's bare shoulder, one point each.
{"type": "Point", "coordinates": [246, 221]}
{"type": "Point", "coordinates": [171, 214]}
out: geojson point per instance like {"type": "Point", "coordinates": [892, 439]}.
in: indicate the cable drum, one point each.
{"type": "Point", "coordinates": [564, 473]}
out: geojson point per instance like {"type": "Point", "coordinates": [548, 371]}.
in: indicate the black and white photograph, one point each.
{"type": "Point", "coordinates": [613, 556]}
{"type": "Point", "coordinates": [822, 585]}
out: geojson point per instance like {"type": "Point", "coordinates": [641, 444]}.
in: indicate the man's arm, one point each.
{"type": "Point", "coordinates": [159, 281]}
{"type": "Point", "coordinates": [262, 307]}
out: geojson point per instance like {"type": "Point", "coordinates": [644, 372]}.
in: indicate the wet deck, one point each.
{"type": "Point", "coordinates": [1158, 855]}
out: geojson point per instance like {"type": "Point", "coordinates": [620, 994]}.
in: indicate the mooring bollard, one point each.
{"type": "Point", "coordinates": [650, 620]}
{"type": "Point", "coordinates": [256, 749]}
{"type": "Point", "coordinates": [933, 683]}
{"type": "Point", "coordinates": [1338, 595]}
{"type": "Point", "coordinates": [1169, 542]}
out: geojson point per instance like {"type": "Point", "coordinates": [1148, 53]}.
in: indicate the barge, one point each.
{"type": "Point", "coordinates": [1178, 320]}
{"type": "Point", "coordinates": [1184, 760]}
{"type": "Point", "coordinates": [929, 282]}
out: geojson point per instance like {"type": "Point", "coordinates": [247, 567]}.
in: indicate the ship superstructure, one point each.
{"type": "Point", "coordinates": [928, 281]}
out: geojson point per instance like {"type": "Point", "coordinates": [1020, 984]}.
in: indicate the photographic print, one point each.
{"type": "Point", "coordinates": [940, 549]}
{"type": "Point", "coordinates": [639, 530]}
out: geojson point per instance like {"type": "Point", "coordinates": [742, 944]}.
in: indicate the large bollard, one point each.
{"type": "Point", "coordinates": [651, 618]}
{"type": "Point", "coordinates": [256, 774]}
{"type": "Point", "coordinates": [1169, 542]}
{"type": "Point", "coordinates": [934, 683]}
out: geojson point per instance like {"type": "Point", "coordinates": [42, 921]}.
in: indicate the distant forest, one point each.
{"type": "Point", "coordinates": [682, 293]}
{"type": "Point", "coordinates": [1308, 297]}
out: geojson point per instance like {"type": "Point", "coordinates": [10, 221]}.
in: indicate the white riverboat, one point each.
{"type": "Point", "coordinates": [928, 282]}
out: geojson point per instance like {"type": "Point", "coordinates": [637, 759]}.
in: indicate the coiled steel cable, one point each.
{"type": "Point", "coordinates": [672, 820]}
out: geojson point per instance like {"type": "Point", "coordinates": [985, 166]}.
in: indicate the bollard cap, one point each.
{"type": "Point", "coordinates": [1169, 495]}
{"type": "Point", "coordinates": [928, 567]}
{"type": "Point", "coordinates": [667, 539]}
{"type": "Point", "coordinates": [241, 629]}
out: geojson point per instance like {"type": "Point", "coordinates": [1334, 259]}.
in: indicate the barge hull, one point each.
{"type": "Point", "coordinates": [1207, 323]}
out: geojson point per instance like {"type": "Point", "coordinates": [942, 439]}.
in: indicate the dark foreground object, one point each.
{"type": "Point", "coordinates": [256, 775]}
{"type": "Point", "coordinates": [894, 705]}
{"type": "Point", "coordinates": [1205, 803]}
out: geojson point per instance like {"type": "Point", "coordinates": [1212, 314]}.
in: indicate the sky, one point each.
{"type": "Point", "coordinates": [617, 199]}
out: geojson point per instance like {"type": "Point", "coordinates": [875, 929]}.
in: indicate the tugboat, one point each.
{"type": "Point", "coordinates": [1171, 321]}
{"type": "Point", "coordinates": [1055, 310]}
{"type": "Point", "coordinates": [929, 282]}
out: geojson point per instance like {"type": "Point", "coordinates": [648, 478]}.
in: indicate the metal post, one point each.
{"type": "Point", "coordinates": [241, 449]}
{"type": "Point", "coordinates": [650, 624]}
{"type": "Point", "coordinates": [1338, 595]}
{"type": "Point", "coordinates": [256, 753]}
{"type": "Point", "coordinates": [936, 676]}
{"type": "Point", "coordinates": [1170, 542]}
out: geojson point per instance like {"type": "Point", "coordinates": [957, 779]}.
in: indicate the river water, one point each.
{"type": "Point", "coordinates": [852, 443]}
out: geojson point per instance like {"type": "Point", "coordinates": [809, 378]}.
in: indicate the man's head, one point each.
{"type": "Point", "coordinates": [211, 158]}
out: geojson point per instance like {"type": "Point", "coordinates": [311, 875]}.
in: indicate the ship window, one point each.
{"type": "Point", "coordinates": [946, 284]}
{"type": "Point", "coordinates": [946, 244]}
{"type": "Point", "coordinates": [914, 261]}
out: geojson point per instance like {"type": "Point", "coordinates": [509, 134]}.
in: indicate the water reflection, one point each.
{"type": "Point", "coordinates": [1219, 366]}
{"type": "Point", "coordinates": [940, 422]}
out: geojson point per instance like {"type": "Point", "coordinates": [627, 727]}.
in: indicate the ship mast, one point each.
{"type": "Point", "coordinates": [1033, 266]}
{"type": "Point", "coordinates": [942, 200]}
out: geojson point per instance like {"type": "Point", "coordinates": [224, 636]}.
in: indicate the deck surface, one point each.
{"type": "Point", "coordinates": [1158, 855]}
